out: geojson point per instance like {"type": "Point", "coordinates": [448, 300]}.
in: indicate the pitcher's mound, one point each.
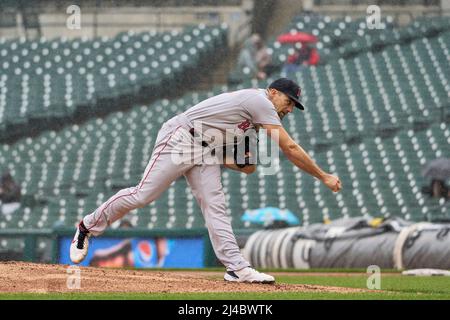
{"type": "Point", "coordinates": [44, 278]}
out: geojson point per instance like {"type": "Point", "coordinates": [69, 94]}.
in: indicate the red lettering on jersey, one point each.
{"type": "Point", "coordinates": [244, 125]}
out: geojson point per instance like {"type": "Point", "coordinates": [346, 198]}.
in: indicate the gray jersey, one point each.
{"type": "Point", "coordinates": [229, 114]}
{"type": "Point", "coordinates": [232, 114]}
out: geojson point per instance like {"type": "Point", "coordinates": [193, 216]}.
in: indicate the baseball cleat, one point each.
{"type": "Point", "coordinates": [249, 275]}
{"type": "Point", "coordinates": [80, 244]}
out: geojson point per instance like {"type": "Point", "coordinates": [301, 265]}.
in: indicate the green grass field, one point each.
{"type": "Point", "coordinates": [393, 286]}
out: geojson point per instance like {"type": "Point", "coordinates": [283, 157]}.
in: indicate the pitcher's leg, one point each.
{"type": "Point", "coordinates": [206, 185]}
{"type": "Point", "coordinates": [159, 174]}
{"type": "Point", "coordinates": [117, 206]}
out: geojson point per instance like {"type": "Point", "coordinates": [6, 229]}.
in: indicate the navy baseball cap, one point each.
{"type": "Point", "coordinates": [289, 88]}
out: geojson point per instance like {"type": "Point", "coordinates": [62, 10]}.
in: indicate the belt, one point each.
{"type": "Point", "coordinates": [204, 143]}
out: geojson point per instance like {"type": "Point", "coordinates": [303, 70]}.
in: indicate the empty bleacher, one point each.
{"type": "Point", "coordinates": [346, 37]}
{"type": "Point", "coordinates": [374, 117]}
{"type": "Point", "coordinates": [46, 81]}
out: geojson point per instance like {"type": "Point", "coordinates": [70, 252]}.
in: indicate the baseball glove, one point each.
{"type": "Point", "coordinates": [244, 153]}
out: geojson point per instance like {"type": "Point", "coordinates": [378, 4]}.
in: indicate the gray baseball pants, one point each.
{"type": "Point", "coordinates": [205, 181]}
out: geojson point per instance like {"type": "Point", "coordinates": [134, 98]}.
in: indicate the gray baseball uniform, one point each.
{"type": "Point", "coordinates": [230, 114]}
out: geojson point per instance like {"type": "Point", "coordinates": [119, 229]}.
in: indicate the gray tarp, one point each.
{"type": "Point", "coordinates": [353, 243]}
{"type": "Point", "coordinates": [354, 253]}
{"type": "Point", "coordinates": [428, 249]}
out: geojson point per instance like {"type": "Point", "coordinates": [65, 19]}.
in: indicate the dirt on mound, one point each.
{"type": "Point", "coordinates": [45, 278]}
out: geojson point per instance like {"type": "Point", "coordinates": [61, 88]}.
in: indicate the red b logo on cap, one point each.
{"type": "Point", "coordinates": [298, 92]}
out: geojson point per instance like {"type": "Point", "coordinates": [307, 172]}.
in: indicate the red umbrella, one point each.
{"type": "Point", "coordinates": [297, 37]}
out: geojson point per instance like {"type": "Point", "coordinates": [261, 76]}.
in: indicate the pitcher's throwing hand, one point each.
{"type": "Point", "coordinates": [332, 182]}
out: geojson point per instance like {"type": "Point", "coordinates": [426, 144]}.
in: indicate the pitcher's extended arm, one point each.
{"type": "Point", "coordinates": [298, 156]}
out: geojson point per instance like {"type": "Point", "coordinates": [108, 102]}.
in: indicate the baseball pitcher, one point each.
{"type": "Point", "coordinates": [184, 147]}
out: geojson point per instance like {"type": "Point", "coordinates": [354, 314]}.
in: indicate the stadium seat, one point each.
{"type": "Point", "coordinates": [374, 118]}
{"type": "Point", "coordinates": [53, 80]}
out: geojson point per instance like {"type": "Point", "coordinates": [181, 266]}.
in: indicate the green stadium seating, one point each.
{"type": "Point", "coordinates": [374, 118]}
{"type": "Point", "coordinates": [53, 80]}
{"type": "Point", "coordinates": [345, 38]}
